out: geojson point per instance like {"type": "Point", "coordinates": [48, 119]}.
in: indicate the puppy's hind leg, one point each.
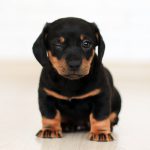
{"type": "Point", "coordinates": [115, 108]}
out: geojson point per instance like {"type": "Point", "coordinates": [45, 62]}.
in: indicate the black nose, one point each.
{"type": "Point", "coordinates": [74, 64]}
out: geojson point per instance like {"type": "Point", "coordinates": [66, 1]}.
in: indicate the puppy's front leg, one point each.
{"type": "Point", "coordinates": [99, 119]}
{"type": "Point", "coordinates": [51, 118]}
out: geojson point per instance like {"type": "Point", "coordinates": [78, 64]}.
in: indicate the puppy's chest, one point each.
{"type": "Point", "coordinates": [72, 95]}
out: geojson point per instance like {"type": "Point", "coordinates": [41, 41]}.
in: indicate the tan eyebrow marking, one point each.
{"type": "Point", "coordinates": [59, 96]}
{"type": "Point", "coordinates": [82, 37]}
{"type": "Point", "coordinates": [62, 39]}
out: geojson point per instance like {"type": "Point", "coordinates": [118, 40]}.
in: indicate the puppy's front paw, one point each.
{"type": "Point", "coordinates": [101, 137]}
{"type": "Point", "coordinates": [47, 133]}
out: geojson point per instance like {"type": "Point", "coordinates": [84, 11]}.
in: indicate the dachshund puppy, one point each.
{"type": "Point", "coordinates": [76, 92]}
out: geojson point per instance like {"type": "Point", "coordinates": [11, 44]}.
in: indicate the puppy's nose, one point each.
{"type": "Point", "coordinates": [74, 64]}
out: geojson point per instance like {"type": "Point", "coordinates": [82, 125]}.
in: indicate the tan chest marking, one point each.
{"type": "Point", "coordinates": [59, 96]}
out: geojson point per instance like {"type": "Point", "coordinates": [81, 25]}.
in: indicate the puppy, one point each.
{"type": "Point", "coordinates": [76, 92]}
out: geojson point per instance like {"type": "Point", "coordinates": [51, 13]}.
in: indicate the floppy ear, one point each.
{"type": "Point", "coordinates": [100, 42]}
{"type": "Point", "coordinates": [39, 47]}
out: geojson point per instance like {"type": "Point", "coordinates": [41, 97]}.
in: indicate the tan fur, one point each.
{"type": "Point", "coordinates": [86, 64]}
{"type": "Point", "coordinates": [62, 67]}
{"type": "Point", "coordinates": [112, 117]}
{"type": "Point", "coordinates": [82, 37]}
{"type": "Point", "coordinates": [80, 97]}
{"type": "Point", "coordinates": [59, 65]}
{"type": "Point", "coordinates": [53, 124]}
{"type": "Point", "coordinates": [62, 39]}
{"type": "Point", "coordinates": [89, 94]}
{"type": "Point", "coordinates": [98, 127]}
{"type": "Point", "coordinates": [54, 94]}
{"type": "Point", "coordinates": [51, 128]}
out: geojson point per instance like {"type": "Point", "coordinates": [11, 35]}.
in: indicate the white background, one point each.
{"type": "Point", "coordinates": [124, 24]}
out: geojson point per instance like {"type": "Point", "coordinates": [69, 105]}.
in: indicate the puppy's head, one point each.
{"type": "Point", "coordinates": [69, 45]}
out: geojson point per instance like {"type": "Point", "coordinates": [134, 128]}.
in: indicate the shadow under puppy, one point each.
{"type": "Point", "coordinates": [76, 92]}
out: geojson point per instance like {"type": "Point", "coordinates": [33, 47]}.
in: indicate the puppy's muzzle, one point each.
{"type": "Point", "coordinates": [73, 69]}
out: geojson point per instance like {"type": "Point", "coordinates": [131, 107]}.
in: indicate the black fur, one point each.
{"type": "Point", "coordinates": [77, 111]}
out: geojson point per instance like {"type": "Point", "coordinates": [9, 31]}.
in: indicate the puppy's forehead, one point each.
{"type": "Point", "coordinates": [74, 27]}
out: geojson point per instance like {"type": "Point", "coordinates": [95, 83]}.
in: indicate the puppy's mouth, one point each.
{"type": "Point", "coordinates": [73, 76]}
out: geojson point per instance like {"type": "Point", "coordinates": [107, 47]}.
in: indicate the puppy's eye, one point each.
{"type": "Point", "coordinates": [86, 44]}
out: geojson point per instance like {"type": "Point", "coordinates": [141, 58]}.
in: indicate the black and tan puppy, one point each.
{"type": "Point", "coordinates": [76, 91]}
